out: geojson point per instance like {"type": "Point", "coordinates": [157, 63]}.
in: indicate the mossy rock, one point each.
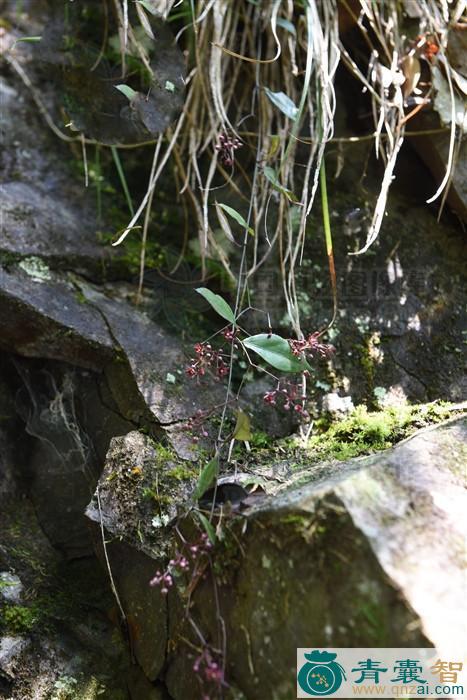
{"type": "Point", "coordinates": [348, 559]}
{"type": "Point", "coordinates": [142, 487]}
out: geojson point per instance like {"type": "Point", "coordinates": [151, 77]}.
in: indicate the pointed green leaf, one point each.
{"type": "Point", "coordinates": [206, 478]}
{"type": "Point", "coordinates": [147, 5]}
{"type": "Point", "coordinates": [235, 215]}
{"type": "Point", "coordinates": [286, 24]}
{"type": "Point", "coordinates": [282, 102]}
{"type": "Point", "coordinates": [211, 533]}
{"type": "Point", "coordinates": [218, 303]}
{"type": "Point", "coordinates": [225, 226]}
{"type": "Point", "coordinates": [27, 40]}
{"type": "Point", "coordinates": [271, 175]}
{"type": "Point", "coordinates": [274, 147]}
{"type": "Point", "coordinates": [276, 352]}
{"type": "Point", "coordinates": [143, 18]}
{"type": "Point", "coordinates": [127, 91]}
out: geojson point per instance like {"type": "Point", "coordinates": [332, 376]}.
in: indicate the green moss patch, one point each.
{"type": "Point", "coordinates": [19, 619]}
{"type": "Point", "coordinates": [364, 432]}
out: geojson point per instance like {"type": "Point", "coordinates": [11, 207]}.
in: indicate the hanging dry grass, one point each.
{"type": "Point", "coordinates": [260, 82]}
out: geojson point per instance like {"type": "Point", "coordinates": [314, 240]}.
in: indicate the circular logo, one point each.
{"type": "Point", "coordinates": [321, 674]}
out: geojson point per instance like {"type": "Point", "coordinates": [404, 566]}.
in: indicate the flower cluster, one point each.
{"type": "Point", "coordinates": [164, 580]}
{"type": "Point", "coordinates": [226, 148]}
{"type": "Point", "coordinates": [291, 397]}
{"type": "Point", "coordinates": [207, 357]}
{"type": "Point", "coordinates": [229, 334]}
{"type": "Point", "coordinates": [311, 346]}
{"type": "Point", "coordinates": [181, 563]}
{"type": "Point", "coordinates": [208, 669]}
{"type": "Point", "coordinates": [428, 46]}
{"type": "Point", "coordinates": [195, 425]}
{"type": "Point", "coordinates": [430, 50]}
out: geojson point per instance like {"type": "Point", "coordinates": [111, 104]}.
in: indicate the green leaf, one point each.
{"type": "Point", "coordinates": [206, 478]}
{"type": "Point", "coordinates": [274, 147]}
{"type": "Point", "coordinates": [147, 5]}
{"type": "Point", "coordinates": [283, 102]}
{"type": "Point", "coordinates": [243, 427]}
{"type": "Point", "coordinates": [238, 217]}
{"type": "Point", "coordinates": [286, 24]}
{"type": "Point", "coordinates": [121, 175]}
{"type": "Point", "coordinates": [169, 86]}
{"type": "Point", "coordinates": [276, 351]}
{"type": "Point", "coordinates": [145, 23]}
{"type": "Point", "coordinates": [27, 40]}
{"type": "Point", "coordinates": [225, 226]}
{"type": "Point", "coordinates": [208, 527]}
{"type": "Point", "coordinates": [127, 91]}
{"type": "Point", "coordinates": [271, 175]}
{"type": "Point", "coordinates": [218, 304]}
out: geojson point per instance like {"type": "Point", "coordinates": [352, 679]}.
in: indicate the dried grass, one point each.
{"type": "Point", "coordinates": [235, 50]}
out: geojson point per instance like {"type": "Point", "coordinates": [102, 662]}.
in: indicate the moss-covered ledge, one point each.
{"type": "Point", "coordinates": [351, 554]}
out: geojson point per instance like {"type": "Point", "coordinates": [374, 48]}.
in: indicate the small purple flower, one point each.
{"type": "Point", "coordinates": [226, 147]}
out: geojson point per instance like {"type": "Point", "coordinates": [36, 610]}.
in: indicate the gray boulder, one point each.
{"type": "Point", "coordinates": [47, 211]}
{"type": "Point", "coordinates": [370, 553]}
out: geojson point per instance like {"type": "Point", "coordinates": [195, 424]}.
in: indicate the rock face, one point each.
{"type": "Point", "coordinates": [141, 489]}
{"type": "Point", "coordinates": [50, 249]}
{"type": "Point", "coordinates": [53, 643]}
{"type": "Point", "coordinates": [46, 212]}
{"type": "Point", "coordinates": [370, 555]}
{"type": "Point", "coordinates": [34, 226]}
{"type": "Point", "coordinates": [401, 305]}
{"type": "Point", "coordinates": [47, 311]}
{"type": "Point", "coordinates": [50, 322]}
{"type": "Point", "coordinates": [52, 403]}
{"type": "Point", "coordinates": [57, 635]}
{"type": "Point", "coordinates": [59, 317]}
{"type": "Point", "coordinates": [10, 649]}
{"type": "Point", "coordinates": [93, 392]}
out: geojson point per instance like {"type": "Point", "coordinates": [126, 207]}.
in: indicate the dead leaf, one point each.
{"type": "Point", "coordinates": [411, 69]}
{"type": "Point", "coordinates": [243, 427]}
